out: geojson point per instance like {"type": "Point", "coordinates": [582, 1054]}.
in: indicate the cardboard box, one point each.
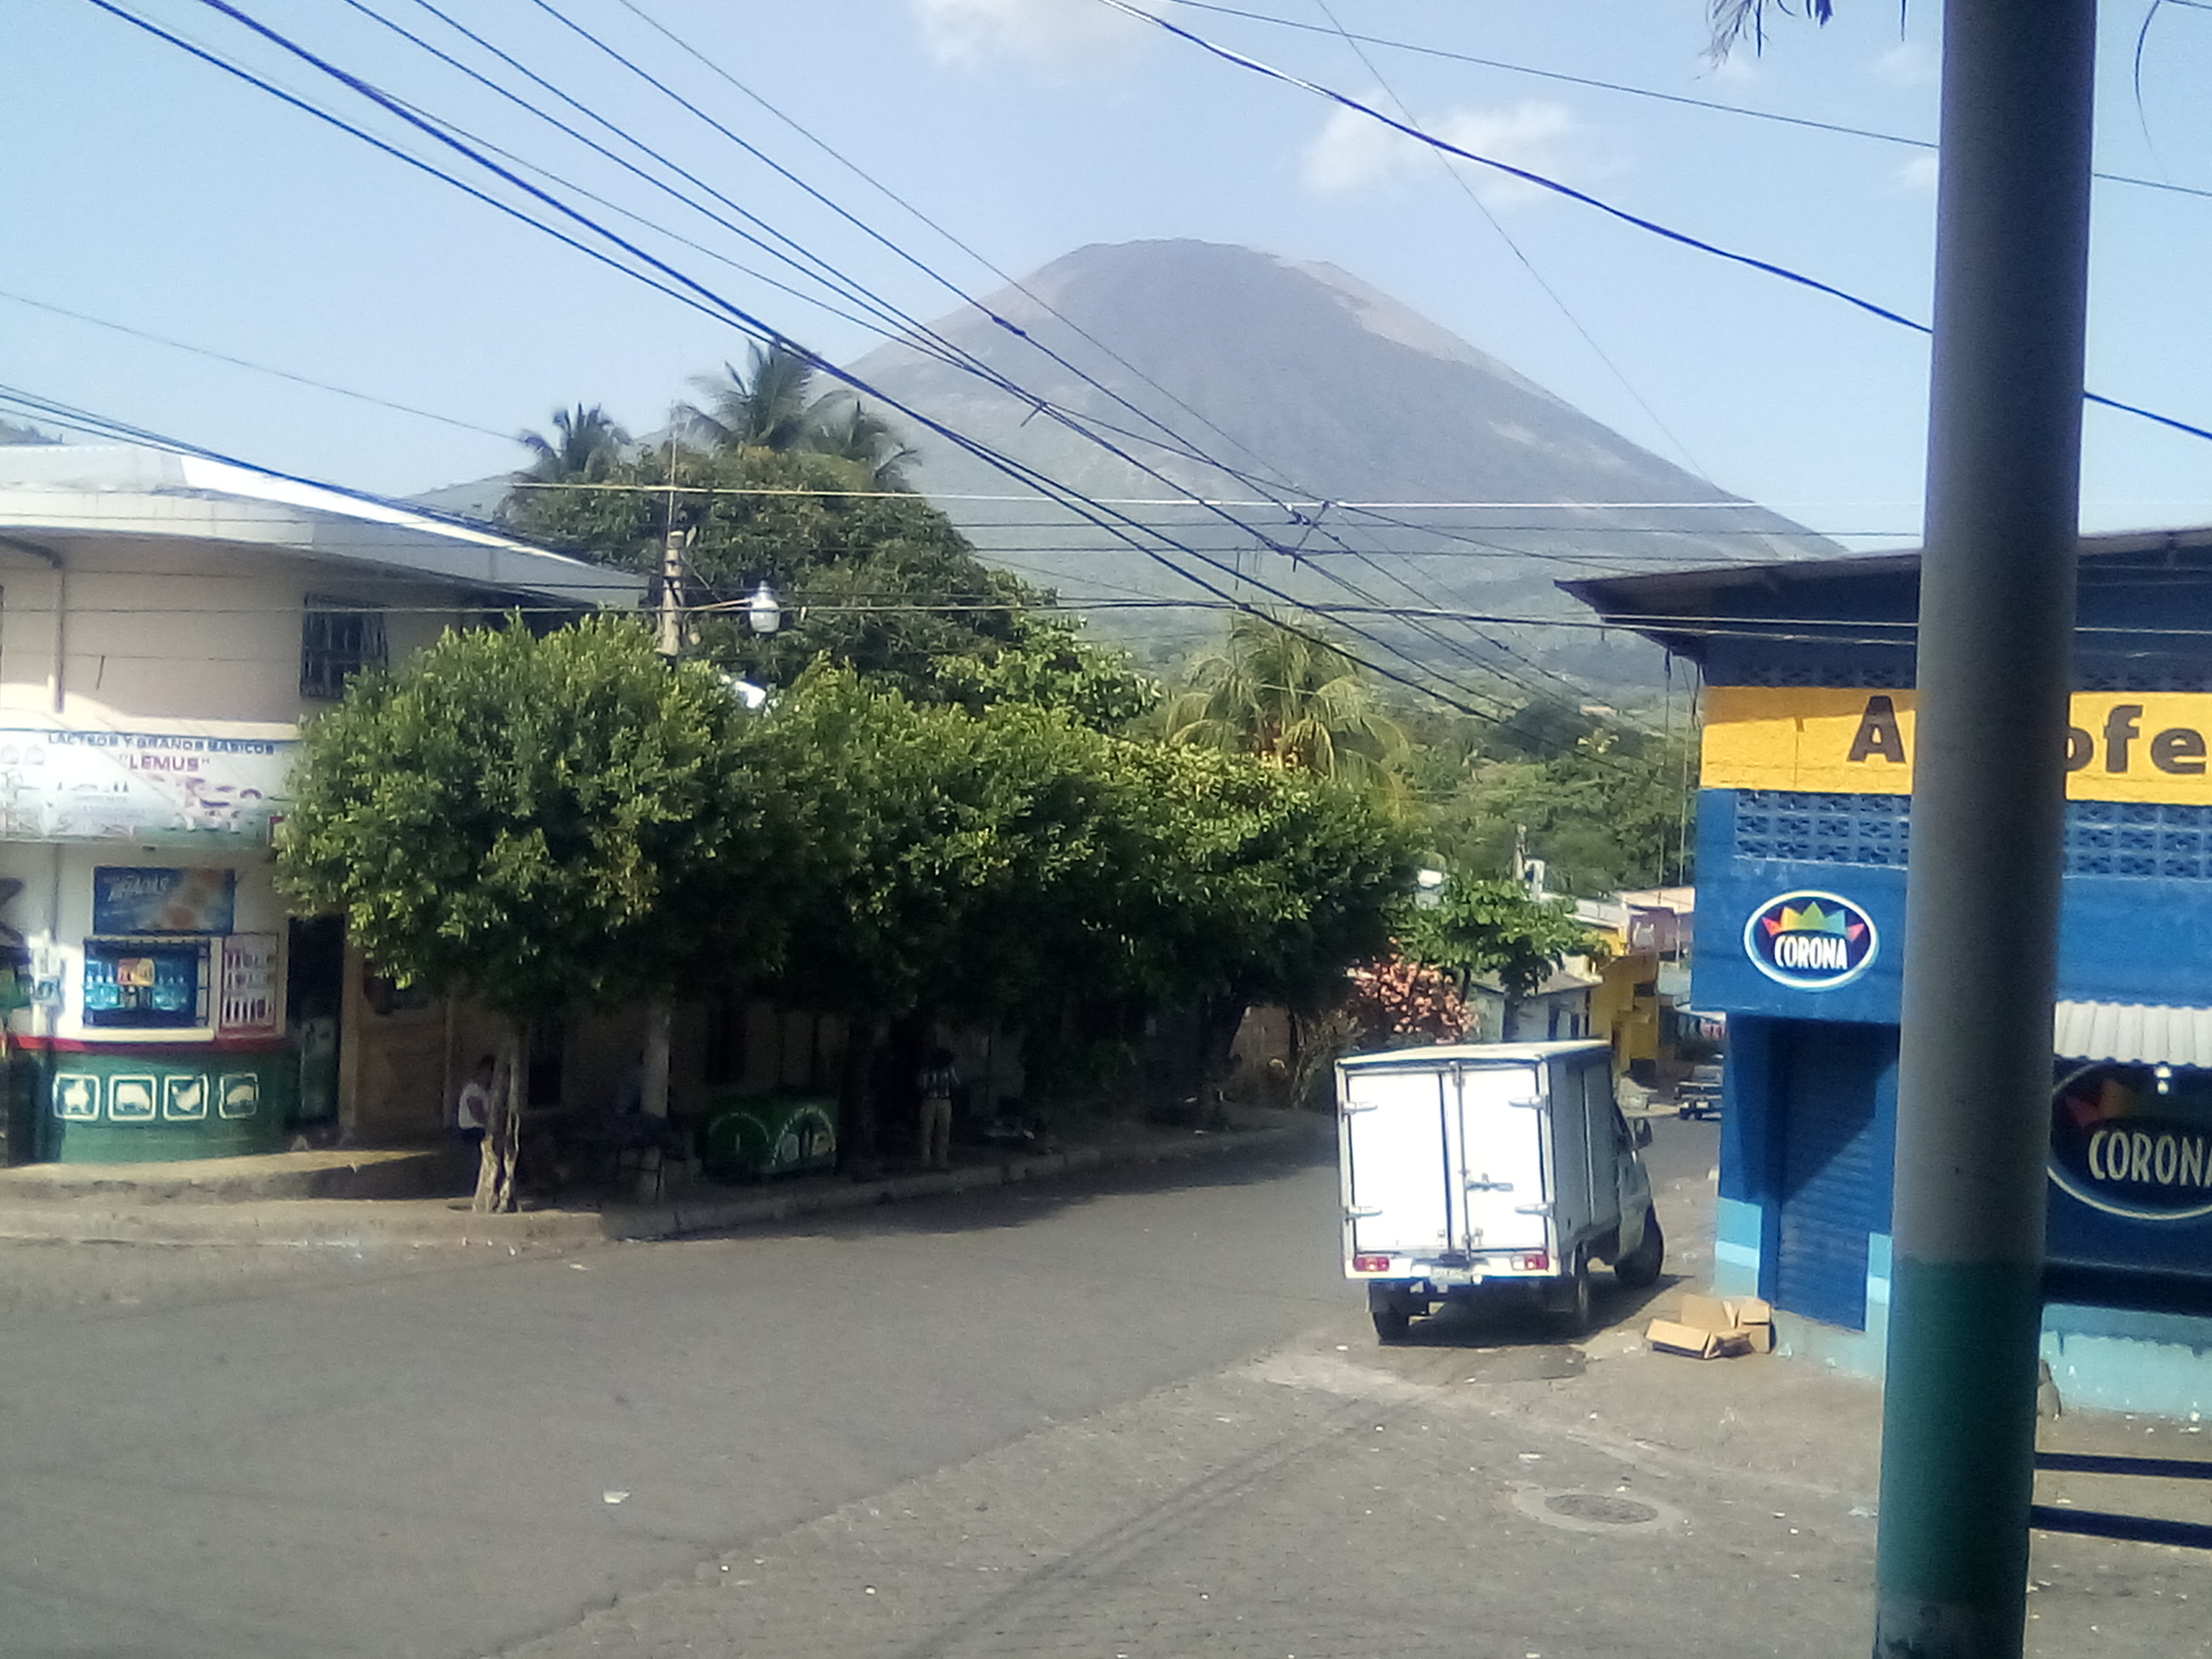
{"type": "Point", "coordinates": [1712, 1327]}
{"type": "Point", "coordinates": [1672, 1336]}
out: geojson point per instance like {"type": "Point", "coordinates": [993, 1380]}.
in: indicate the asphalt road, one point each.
{"type": "Point", "coordinates": [419, 1463]}
{"type": "Point", "coordinates": [392, 1460]}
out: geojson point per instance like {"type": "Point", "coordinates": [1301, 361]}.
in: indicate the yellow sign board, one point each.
{"type": "Point", "coordinates": [2121, 745]}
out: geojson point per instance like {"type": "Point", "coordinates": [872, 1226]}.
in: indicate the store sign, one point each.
{"type": "Point", "coordinates": [136, 898]}
{"type": "Point", "coordinates": [2120, 746]}
{"type": "Point", "coordinates": [1811, 941]}
{"type": "Point", "coordinates": [154, 788]}
{"type": "Point", "coordinates": [247, 1006]}
{"type": "Point", "coordinates": [2130, 1141]}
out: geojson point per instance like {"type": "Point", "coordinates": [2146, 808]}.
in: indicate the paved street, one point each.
{"type": "Point", "coordinates": [1138, 1416]}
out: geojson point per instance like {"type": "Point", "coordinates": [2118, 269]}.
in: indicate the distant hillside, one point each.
{"type": "Point", "coordinates": [1316, 387]}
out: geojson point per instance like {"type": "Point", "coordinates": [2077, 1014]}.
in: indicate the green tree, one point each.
{"type": "Point", "coordinates": [937, 852]}
{"type": "Point", "coordinates": [540, 823]}
{"type": "Point", "coordinates": [1290, 699]}
{"type": "Point", "coordinates": [1610, 809]}
{"type": "Point", "coordinates": [884, 584]}
{"type": "Point", "coordinates": [587, 445]}
{"type": "Point", "coordinates": [1006, 867]}
{"type": "Point", "coordinates": [1494, 930]}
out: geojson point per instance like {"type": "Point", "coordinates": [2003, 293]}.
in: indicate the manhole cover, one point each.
{"type": "Point", "coordinates": [1592, 1506]}
{"type": "Point", "coordinates": [1604, 1512]}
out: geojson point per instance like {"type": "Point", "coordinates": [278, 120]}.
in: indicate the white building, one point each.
{"type": "Point", "coordinates": [166, 624]}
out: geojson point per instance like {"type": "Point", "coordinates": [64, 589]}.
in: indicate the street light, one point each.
{"type": "Point", "coordinates": [764, 614]}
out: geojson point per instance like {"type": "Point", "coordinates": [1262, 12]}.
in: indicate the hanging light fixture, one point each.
{"type": "Point", "coordinates": [764, 612]}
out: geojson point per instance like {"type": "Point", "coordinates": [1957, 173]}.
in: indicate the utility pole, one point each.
{"type": "Point", "coordinates": [653, 1060]}
{"type": "Point", "coordinates": [671, 593]}
{"type": "Point", "coordinates": [1995, 653]}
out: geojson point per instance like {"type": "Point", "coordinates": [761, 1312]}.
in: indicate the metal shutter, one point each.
{"type": "Point", "coordinates": [1833, 1166]}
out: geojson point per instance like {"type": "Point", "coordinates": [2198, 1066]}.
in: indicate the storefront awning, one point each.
{"type": "Point", "coordinates": [2142, 1033]}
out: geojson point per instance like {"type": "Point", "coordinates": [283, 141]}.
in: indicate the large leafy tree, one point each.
{"type": "Point", "coordinates": [541, 824]}
{"type": "Point", "coordinates": [883, 584]}
{"type": "Point", "coordinates": [1482, 930]}
{"type": "Point", "coordinates": [1005, 866]}
{"type": "Point", "coordinates": [1290, 698]}
{"type": "Point", "coordinates": [1604, 805]}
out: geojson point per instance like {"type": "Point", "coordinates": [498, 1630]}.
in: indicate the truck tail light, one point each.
{"type": "Point", "coordinates": [1370, 1264]}
{"type": "Point", "coordinates": [1540, 1262]}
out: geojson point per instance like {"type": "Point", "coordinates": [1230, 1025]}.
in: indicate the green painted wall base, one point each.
{"type": "Point", "coordinates": [152, 1103]}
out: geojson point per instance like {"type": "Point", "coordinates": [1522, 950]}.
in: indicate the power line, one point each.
{"type": "Point", "coordinates": [1808, 123]}
{"type": "Point", "coordinates": [691, 293]}
{"type": "Point", "coordinates": [1178, 444]}
{"type": "Point", "coordinates": [1039, 300]}
{"type": "Point", "coordinates": [1652, 226]}
{"type": "Point", "coordinates": [245, 363]}
{"type": "Point", "coordinates": [1513, 247]}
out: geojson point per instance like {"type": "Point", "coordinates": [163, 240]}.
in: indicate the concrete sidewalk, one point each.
{"type": "Point", "coordinates": [176, 1205]}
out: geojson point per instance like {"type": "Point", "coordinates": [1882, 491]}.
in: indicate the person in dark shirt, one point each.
{"type": "Point", "coordinates": [935, 1084]}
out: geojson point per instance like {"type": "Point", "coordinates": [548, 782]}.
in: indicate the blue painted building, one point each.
{"type": "Point", "coordinates": [1804, 821]}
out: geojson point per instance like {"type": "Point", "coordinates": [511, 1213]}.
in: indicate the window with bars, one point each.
{"type": "Point", "coordinates": [339, 637]}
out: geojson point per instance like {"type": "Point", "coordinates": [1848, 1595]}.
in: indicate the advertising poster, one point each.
{"type": "Point", "coordinates": [153, 788]}
{"type": "Point", "coordinates": [132, 899]}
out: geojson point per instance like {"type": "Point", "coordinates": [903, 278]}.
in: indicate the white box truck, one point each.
{"type": "Point", "coordinates": [1478, 1165]}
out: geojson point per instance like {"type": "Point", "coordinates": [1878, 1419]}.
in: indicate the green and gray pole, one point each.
{"type": "Point", "coordinates": [1981, 925]}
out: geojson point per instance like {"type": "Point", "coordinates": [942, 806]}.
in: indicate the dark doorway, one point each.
{"type": "Point", "coordinates": [315, 985]}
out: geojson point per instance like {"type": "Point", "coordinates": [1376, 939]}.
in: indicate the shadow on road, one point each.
{"type": "Point", "coordinates": [990, 1207]}
{"type": "Point", "coordinates": [1507, 1319]}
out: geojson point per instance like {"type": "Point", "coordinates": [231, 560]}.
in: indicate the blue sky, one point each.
{"type": "Point", "coordinates": [148, 190]}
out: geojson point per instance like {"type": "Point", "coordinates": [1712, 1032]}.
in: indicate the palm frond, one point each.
{"type": "Point", "coordinates": [1733, 19]}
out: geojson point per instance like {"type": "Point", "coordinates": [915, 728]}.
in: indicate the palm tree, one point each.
{"type": "Point", "coordinates": [841, 425]}
{"type": "Point", "coordinates": [765, 407]}
{"type": "Point", "coordinates": [1291, 699]}
{"type": "Point", "coordinates": [587, 445]}
{"type": "Point", "coordinates": [1733, 19]}
{"type": "Point", "coordinates": [768, 405]}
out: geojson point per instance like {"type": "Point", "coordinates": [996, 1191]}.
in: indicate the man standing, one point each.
{"type": "Point", "coordinates": [473, 1111]}
{"type": "Point", "coordinates": [936, 1083]}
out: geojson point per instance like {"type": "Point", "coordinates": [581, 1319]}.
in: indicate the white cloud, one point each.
{"type": "Point", "coordinates": [1920, 173]}
{"type": "Point", "coordinates": [1049, 32]}
{"type": "Point", "coordinates": [1908, 63]}
{"type": "Point", "coordinates": [1739, 68]}
{"type": "Point", "coordinates": [1353, 152]}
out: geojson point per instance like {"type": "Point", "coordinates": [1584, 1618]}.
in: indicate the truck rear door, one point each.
{"type": "Point", "coordinates": [1397, 1189]}
{"type": "Point", "coordinates": [1501, 1158]}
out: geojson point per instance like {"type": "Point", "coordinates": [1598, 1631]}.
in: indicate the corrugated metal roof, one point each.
{"type": "Point", "coordinates": [2145, 1033]}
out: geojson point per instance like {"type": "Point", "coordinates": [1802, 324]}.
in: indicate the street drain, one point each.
{"type": "Point", "coordinates": [1604, 1512]}
{"type": "Point", "coordinates": [1591, 1506]}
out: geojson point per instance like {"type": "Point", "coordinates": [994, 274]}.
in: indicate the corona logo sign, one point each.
{"type": "Point", "coordinates": [2134, 1140]}
{"type": "Point", "coordinates": [1811, 941]}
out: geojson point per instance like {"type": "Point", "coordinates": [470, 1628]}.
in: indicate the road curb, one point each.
{"type": "Point", "coordinates": [311, 1223]}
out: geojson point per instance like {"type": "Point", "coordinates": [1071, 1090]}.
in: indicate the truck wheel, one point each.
{"type": "Point", "coordinates": [1641, 1266]}
{"type": "Point", "coordinates": [1572, 1311]}
{"type": "Point", "coordinates": [1391, 1324]}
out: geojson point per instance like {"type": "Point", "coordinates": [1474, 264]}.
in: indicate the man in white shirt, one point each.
{"type": "Point", "coordinates": [472, 1112]}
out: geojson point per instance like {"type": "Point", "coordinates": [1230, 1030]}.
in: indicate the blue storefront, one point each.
{"type": "Point", "coordinates": [1804, 822]}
